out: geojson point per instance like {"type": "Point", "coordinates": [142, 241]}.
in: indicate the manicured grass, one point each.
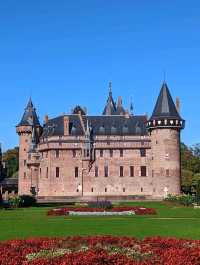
{"type": "Point", "coordinates": [170, 221]}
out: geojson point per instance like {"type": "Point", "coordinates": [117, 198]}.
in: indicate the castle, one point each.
{"type": "Point", "coordinates": [113, 155]}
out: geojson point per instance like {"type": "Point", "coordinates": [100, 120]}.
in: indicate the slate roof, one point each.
{"type": "Point", "coordinates": [30, 116]}
{"type": "Point", "coordinates": [110, 108]}
{"type": "Point", "coordinates": [101, 125]}
{"type": "Point", "coordinates": [165, 107]}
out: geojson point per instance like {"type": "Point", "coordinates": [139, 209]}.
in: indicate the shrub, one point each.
{"type": "Point", "coordinates": [27, 201]}
{"type": "Point", "coordinates": [14, 202]}
{"type": "Point", "coordinates": [186, 200]}
{"type": "Point", "coordinates": [106, 205]}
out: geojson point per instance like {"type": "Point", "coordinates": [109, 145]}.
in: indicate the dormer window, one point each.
{"type": "Point", "coordinates": [113, 129]}
{"type": "Point", "coordinates": [125, 128]}
{"type": "Point", "coordinates": [102, 129]}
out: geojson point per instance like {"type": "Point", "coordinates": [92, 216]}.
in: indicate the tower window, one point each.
{"type": "Point", "coordinates": [124, 190]}
{"type": "Point", "coordinates": [167, 173]}
{"type": "Point", "coordinates": [105, 189]}
{"type": "Point", "coordinates": [101, 153]}
{"type": "Point", "coordinates": [24, 162]}
{"type": "Point", "coordinates": [143, 171]}
{"type": "Point", "coordinates": [121, 153]}
{"type": "Point", "coordinates": [111, 153]}
{"type": "Point", "coordinates": [96, 171]}
{"type": "Point", "coordinates": [142, 152]}
{"type": "Point", "coordinates": [92, 190]}
{"type": "Point", "coordinates": [152, 173]}
{"type": "Point", "coordinates": [57, 172]}
{"type": "Point", "coordinates": [76, 172]}
{"type": "Point", "coordinates": [106, 171]}
{"type": "Point", "coordinates": [40, 172]}
{"type": "Point", "coordinates": [24, 175]}
{"type": "Point", "coordinates": [74, 153]}
{"type": "Point", "coordinates": [131, 171]}
{"type": "Point", "coordinates": [141, 189]}
{"type": "Point", "coordinates": [121, 173]}
{"type": "Point", "coordinates": [57, 153]}
{"type": "Point", "coordinates": [47, 172]}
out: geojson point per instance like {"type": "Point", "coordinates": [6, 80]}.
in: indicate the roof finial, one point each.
{"type": "Point", "coordinates": [110, 87]}
{"type": "Point", "coordinates": [164, 76]}
{"type": "Point", "coordinates": [131, 106]}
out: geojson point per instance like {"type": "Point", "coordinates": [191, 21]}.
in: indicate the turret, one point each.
{"type": "Point", "coordinates": [29, 130]}
{"type": "Point", "coordinates": [164, 128]}
{"type": "Point", "coordinates": [110, 108]}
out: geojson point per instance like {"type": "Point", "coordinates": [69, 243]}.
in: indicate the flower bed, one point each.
{"type": "Point", "coordinates": [100, 250]}
{"type": "Point", "coordinates": [137, 210]}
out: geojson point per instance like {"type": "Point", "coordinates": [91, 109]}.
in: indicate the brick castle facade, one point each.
{"type": "Point", "coordinates": [113, 155]}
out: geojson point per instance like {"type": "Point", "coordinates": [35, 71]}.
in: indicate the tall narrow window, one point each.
{"type": "Point", "coordinates": [105, 189]}
{"type": "Point", "coordinates": [121, 153]}
{"type": "Point", "coordinates": [101, 153]}
{"type": "Point", "coordinates": [24, 162]}
{"type": "Point", "coordinates": [96, 171]}
{"type": "Point", "coordinates": [76, 172]}
{"type": "Point", "coordinates": [121, 171]}
{"type": "Point", "coordinates": [24, 175]}
{"type": "Point", "coordinates": [57, 172]}
{"type": "Point", "coordinates": [47, 172]}
{"type": "Point", "coordinates": [143, 171]}
{"type": "Point", "coordinates": [74, 153]}
{"type": "Point", "coordinates": [111, 153]}
{"type": "Point", "coordinates": [57, 153]}
{"type": "Point", "coordinates": [106, 171]}
{"type": "Point", "coordinates": [142, 152]}
{"type": "Point", "coordinates": [40, 172]}
{"type": "Point", "coordinates": [124, 190]}
{"type": "Point", "coordinates": [131, 171]}
{"type": "Point", "coordinates": [167, 172]}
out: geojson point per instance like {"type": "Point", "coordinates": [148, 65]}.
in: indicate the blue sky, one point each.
{"type": "Point", "coordinates": [65, 52]}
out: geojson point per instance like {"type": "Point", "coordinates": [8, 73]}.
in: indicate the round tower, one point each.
{"type": "Point", "coordinates": [164, 128]}
{"type": "Point", "coordinates": [25, 129]}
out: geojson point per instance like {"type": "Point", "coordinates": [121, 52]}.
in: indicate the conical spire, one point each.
{"type": "Point", "coordinates": [30, 117]}
{"type": "Point", "coordinates": [110, 107]}
{"type": "Point", "coordinates": [120, 110]}
{"type": "Point", "coordinates": [165, 107]}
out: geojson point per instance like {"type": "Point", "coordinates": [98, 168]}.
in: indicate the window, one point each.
{"type": "Point", "coordinates": [167, 173]}
{"type": "Point", "coordinates": [131, 171]}
{"type": "Point", "coordinates": [141, 189]}
{"type": "Point", "coordinates": [106, 171]}
{"type": "Point", "coordinates": [142, 152]}
{"type": "Point", "coordinates": [24, 162]}
{"type": "Point", "coordinates": [46, 154]}
{"type": "Point", "coordinates": [105, 189]}
{"type": "Point", "coordinates": [24, 175]}
{"type": "Point", "coordinates": [152, 173]}
{"type": "Point", "coordinates": [96, 171]}
{"type": "Point", "coordinates": [74, 153]}
{"type": "Point", "coordinates": [92, 190]}
{"type": "Point", "coordinates": [111, 153]}
{"type": "Point", "coordinates": [40, 172]}
{"type": "Point", "coordinates": [121, 173]}
{"type": "Point", "coordinates": [57, 172]}
{"type": "Point", "coordinates": [121, 153]}
{"type": "Point", "coordinates": [124, 190]}
{"type": "Point", "coordinates": [143, 171]}
{"type": "Point", "coordinates": [101, 153]}
{"type": "Point", "coordinates": [76, 172]}
{"type": "Point", "coordinates": [47, 172]}
{"type": "Point", "coordinates": [57, 153]}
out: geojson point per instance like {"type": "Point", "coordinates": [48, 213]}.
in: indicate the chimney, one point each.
{"type": "Point", "coordinates": [178, 104]}
{"type": "Point", "coordinates": [127, 115]}
{"type": "Point", "coordinates": [66, 125]}
{"type": "Point", "coordinates": [46, 119]}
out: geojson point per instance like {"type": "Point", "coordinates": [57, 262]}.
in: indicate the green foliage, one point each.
{"type": "Point", "coordinates": [11, 159]}
{"type": "Point", "coordinates": [14, 202]}
{"type": "Point", "coordinates": [27, 201]}
{"type": "Point", "coordinates": [185, 200]}
{"type": "Point", "coordinates": [198, 192]}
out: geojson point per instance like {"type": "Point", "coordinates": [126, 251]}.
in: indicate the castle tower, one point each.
{"type": "Point", "coordinates": [164, 127]}
{"type": "Point", "coordinates": [25, 129]}
{"type": "Point", "coordinates": [110, 108]}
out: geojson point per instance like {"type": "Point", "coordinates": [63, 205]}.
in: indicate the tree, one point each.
{"type": "Point", "coordinates": [11, 159]}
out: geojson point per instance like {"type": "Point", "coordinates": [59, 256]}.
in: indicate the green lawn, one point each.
{"type": "Point", "coordinates": [171, 221]}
